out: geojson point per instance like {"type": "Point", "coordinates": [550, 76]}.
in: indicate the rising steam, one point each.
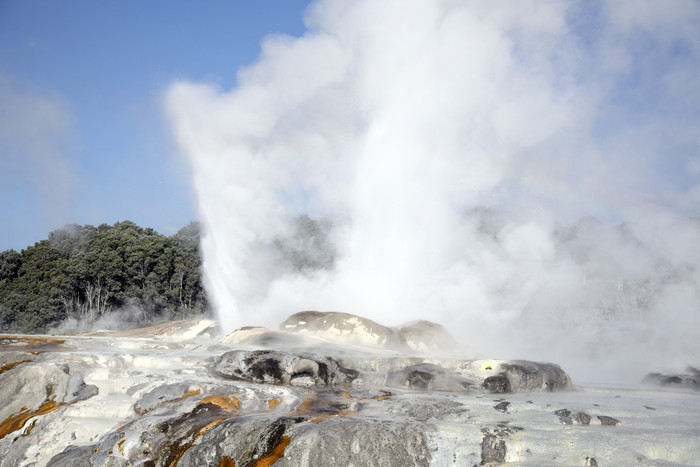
{"type": "Point", "coordinates": [453, 146]}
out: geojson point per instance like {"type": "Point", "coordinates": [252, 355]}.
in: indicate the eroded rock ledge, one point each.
{"type": "Point", "coordinates": [293, 399]}
{"type": "Point", "coordinates": [306, 369]}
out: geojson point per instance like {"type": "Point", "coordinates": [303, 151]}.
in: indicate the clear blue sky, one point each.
{"type": "Point", "coordinates": [82, 132]}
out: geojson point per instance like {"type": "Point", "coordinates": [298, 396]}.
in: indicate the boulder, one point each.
{"type": "Point", "coordinates": [343, 328]}
{"type": "Point", "coordinates": [275, 367]}
{"type": "Point", "coordinates": [688, 380]}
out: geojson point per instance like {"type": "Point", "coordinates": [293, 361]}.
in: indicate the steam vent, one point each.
{"type": "Point", "coordinates": [323, 389]}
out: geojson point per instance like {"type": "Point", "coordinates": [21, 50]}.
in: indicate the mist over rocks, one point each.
{"type": "Point", "coordinates": [347, 328]}
{"type": "Point", "coordinates": [343, 327]}
{"type": "Point", "coordinates": [690, 379]}
{"type": "Point", "coordinates": [490, 164]}
{"type": "Point", "coordinates": [174, 395]}
{"type": "Point", "coordinates": [418, 355]}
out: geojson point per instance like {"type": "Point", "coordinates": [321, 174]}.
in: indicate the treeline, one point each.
{"type": "Point", "coordinates": [84, 273]}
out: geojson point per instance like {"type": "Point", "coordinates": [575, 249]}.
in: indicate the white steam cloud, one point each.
{"type": "Point", "coordinates": [454, 145]}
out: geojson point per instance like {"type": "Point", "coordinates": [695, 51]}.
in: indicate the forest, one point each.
{"type": "Point", "coordinates": [83, 274]}
{"type": "Point", "coordinates": [124, 276]}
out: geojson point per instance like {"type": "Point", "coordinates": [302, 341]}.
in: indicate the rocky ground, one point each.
{"type": "Point", "coordinates": [325, 389]}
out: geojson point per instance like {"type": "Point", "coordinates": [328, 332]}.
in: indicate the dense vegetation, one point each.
{"type": "Point", "coordinates": [82, 274]}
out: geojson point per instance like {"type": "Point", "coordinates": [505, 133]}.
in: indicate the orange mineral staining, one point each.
{"type": "Point", "coordinates": [273, 402]}
{"type": "Point", "coordinates": [274, 456]}
{"type": "Point", "coordinates": [31, 344]}
{"type": "Point", "coordinates": [179, 448]}
{"type": "Point", "coordinates": [191, 392]}
{"type": "Point", "coordinates": [16, 421]}
{"type": "Point", "coordinates": [385, 395]}
{"type": "Point", "coordinates": [228, 403]}
{"type": "Point", "coordinates": [227, 462]}
{"type": "Point", "coordinates": [10, 366]}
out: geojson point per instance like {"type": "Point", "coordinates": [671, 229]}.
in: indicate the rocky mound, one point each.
{"type": "Point", "coordinates": [117, 401]}
{"type": "Point", "coordinates": [315, 328]}
{"type": "Point", "coordinates": [689, 380]}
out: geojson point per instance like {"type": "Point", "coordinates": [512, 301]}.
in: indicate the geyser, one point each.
{"type": "Point", "coordinates": [452, 146]}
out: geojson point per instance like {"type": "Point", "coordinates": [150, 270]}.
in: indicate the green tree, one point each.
{"type": "Point", "coordinates": [86, 272]}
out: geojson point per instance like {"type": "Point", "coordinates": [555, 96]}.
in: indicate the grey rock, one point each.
{"type": "Point", "coordinates": [493, 449]}
{"type": "Point", "coordinates": [73, 456]}
{"type": "Point", "coordinates": [502, 406]}
{"type": "Point", "coordinates": [343, 328]}
{"type": "Point", "coordinates": [568, 417]}
{"type": "Point", "coordinates": [264, 338]}
{"type": "Point", "coordinates": [608, 421]}
{"type": "Point", "coordinates": [12, 359]}
{"type": "Point", "coordinates": [77, 390]}
{"type": "Point", "coordinates": [353, 441]}
{"type": "Point", "coordinates": [493, 445]}
{"type": "Point", "coordinates": [169, 402]}
{"type": "Point", "coordinates": [428, 376]}
{"type": "Point", "coordinates": [526, 376]}
{"type": "Point", "coordinates": [160, 394]}
{"type": "Point", "coordinates": [497, 384]}
{"type": "Point", "coordinates": [689, 380]}
{"type": "Point", "coordinates": [274, 367]}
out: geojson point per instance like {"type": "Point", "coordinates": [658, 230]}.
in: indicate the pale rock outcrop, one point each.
{"type": "Point", "coordinates": [289, 399]}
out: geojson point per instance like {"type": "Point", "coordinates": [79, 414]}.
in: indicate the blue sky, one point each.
{"type": "Point", "coordinates": [83, 137]}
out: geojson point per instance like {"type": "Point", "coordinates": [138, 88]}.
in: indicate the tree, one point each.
{"type": "Point", "coordinates": [85, 272]}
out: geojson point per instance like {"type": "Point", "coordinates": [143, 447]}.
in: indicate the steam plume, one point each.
{"type": "Point", "coordinates": [454, 145]}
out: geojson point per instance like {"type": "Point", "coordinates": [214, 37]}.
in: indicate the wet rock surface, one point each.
{"type": "Point", "coordinates": [165, 401]}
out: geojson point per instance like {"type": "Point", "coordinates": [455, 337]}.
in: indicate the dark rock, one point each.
{"type": "Point", "coordinates": [564, 416]}
{"type": "Point", "coordinates": [272, 436]}
{"type": "Point", "coordinates": [581, 418]}
{"type": "Point", "coordinates": [428, 376]}
{"type": "Point", "coordinates": [608, 421]}
{"type": "Point", "coordinates": [525, 376]}
{"type": "Point", "coordinates": [419, 379]}
{"type": "Point", "coordinates": [569, 418]}
{"type": "Point", "coordinates": [493, 444]}
{"type": "Point", "coordinates": [497, 384]}
{"type": "Point", "coordinates": [493, 449]}
{"type": "Point", "coordinates": [591, 462]}
{"type": "Point", "coordinates": [502, 407]}
{"type": "Point", "coordinates": [689, 380]}
{"type": "Point", "coordinates": [274, 367]}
